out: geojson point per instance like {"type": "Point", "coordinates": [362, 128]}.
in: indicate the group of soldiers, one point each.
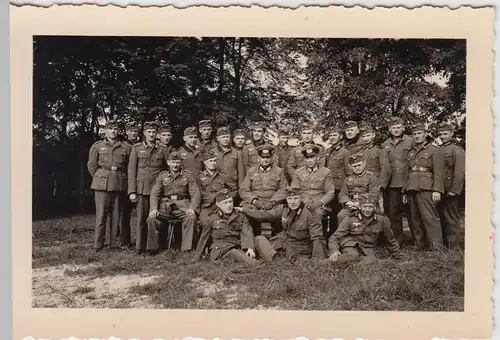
{"type": "Point", "coordinates": [241, 197]}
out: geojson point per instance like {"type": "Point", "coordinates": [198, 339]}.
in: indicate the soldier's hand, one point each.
{"type": "Point", "coordinates": [335, 256]}
{"type": "Point", "coordinates": [436, 196]}
{"type": "Point", "coordinates": [153, 213]}
{"type": "Point", "coordinates": [133, 198]}
{"type": "Point", "coordinates": [250, 253]}
{"type": "Point", "coordinates": [268, 206]}
{"type": "Point", "coordinates": [238, 209]}
{"type": "Point", "coordinates": [349, 204]}
{"type": "Point", "coordinates": [258, 204]}
{"type": "Point", "coordinates": [190, 212]}
{"type": "Point", "coordinates": [452, 194]}
{"type": "Point", "coordinates": [405, 199]}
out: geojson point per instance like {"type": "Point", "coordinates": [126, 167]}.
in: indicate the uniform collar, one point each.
{"type": "Point", "coordinates": [146, 145]}
{"type": "Point", "coordinates": [265, 170]}
{"type": "Point", "coordinates": [208, 173]}
{"type": "Point", "coordinates": [311, 170]}
{"type": "Point", "coordinates": [112, 143]}
{"type": "Point", "coordinates": [361, 174]}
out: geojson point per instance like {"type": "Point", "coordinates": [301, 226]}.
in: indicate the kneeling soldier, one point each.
{"type": "Point", "coordinates": [175, 195]}
{"type": "Point", "coordinates": [231, 233]}
{"type": "Point", "coordinates": [302, 232]}
{"type": "Point", "coordinates": [358, 236]}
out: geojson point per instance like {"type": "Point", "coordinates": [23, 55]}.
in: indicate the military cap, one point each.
{"type": "Point", "coordinates": [240, 132]}
{"type": "Point", "coordinates": [205, 123]}
{"type": "Point", "coordinates": [335, 128]}
{"type": "Point", "coordinates": [223, 131]}
{"type": "Point", "coordinates": [209, 154]}
{"type": "Point", "coordinates": [265, 150]}
{"type": "Point", "coordinates": [150, 125]}
{"type": "Point", "coordinates": [366, 128]}
{"type": "Point", "coordinates": [111, 123]}
{"type": "Point", "coordinates": [131, 125]}
{"type": "Point", "coordinates": [357, 157]}
{"type": "Point", "coordinates": [396, 121]}
{"type": "Point", "coordinates": [259, 125]}
{"type": "Point", "coordinates": [350, 124]}
{"type": "Point", "coordinates": [446, 127]}
{"type": "Point", "coordinates": [165, 128]}
{"type": "Point", "coordinates": [292, 190]}
{"type": "Point", "coordinates": [310, 150]}
{"type": "Point", "coordinates": [174, 156]}
{"type": "Point", "coordinates": [307, 126]}
{"type": "Point", "coordinates": [367, 198]}
{"type": "Point", "coordinates": [222, 195]}
{"type": "Point", "coordinates": [190, 131]}
{"type": "Point", "coordinates": [419, 127]}
{"type": "Point", "coordinates": [283, 131]}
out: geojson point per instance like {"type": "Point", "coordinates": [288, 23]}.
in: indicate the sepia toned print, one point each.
{"type": "Point", "coordinates": [143, 199]}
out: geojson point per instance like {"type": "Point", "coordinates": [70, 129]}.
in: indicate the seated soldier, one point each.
{"type": "Point", "coordinates": [263, 188]}
{"type": "Point", "coordinates": [358, 235]}
{"type": "Point", "coordinates": [359, 182]}
{"type": "Point", "coordinates": [302, 233]}
{"type": "Point", "coordinates": [175, 195]}
{"type": "Point", "coordinates": [231, 233]}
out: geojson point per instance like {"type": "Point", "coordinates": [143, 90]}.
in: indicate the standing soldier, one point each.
{"type": "Point", "coordinates": [146, 162]}
{"type": "Point", "coordinates": [229, 160]}
{"type": "Point", "coordinates": [315, 182]}
{"type": "Point", "coordinates": [297, 158]}
{"type": "Point", "coordinates": [249, 153]}
{"type": "Point", "coordinates": [398, 147]}
{"type": "Point", "coordinates": [359, 182]}
{"type": "Point", "coordinates": [206, 130]}
{"type": "Point", "coordinates": [423, 190]}
{"type": "Point", "coordinates": [107, 164]}
{"type": "Point", "coordinates": [239, 139]}
{"type": "Point", "coordinates": [353, 142]}
{"type": "Point", "coordinates": [165, 137]}
{"type": "Point", "coordinates": [190, 152]}
{"type": "Point", "coordinates": [283, 151]}
{"type": "Point", "coordinates": [263, 188]}
{"type": "Point", "coordinates": [175, 195]}
{"type": "Point", "coordinates": [454, 178]}
{"type": "Point", "coordinates": [335, 161]}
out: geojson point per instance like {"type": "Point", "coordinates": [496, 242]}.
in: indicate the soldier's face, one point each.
{"type": "Point", "coordinates": [419, 136]}
{"type": "Point", "coordinates": [112, 132]}
{"type": "Point", "coordinates": [351, 132]}
{"type": "Point", "coordinates": [265, 161]}
{"type": "Point", "coordinates": [284, 140]}
{"type": "Point", "coordinates": [206, 132]}
{"type": "Point", "coordinates": [132, 134]}
{"type": "Point", "coordinates": [307, 136]}
{"type": "Point", "coordinates": [396, 130]}
{"type": "Point", "coordinates": [367, 209]}
{"type": "Point", "coordinates": [226, 206]}
{"type": "Point", "coordinates": [165, 137]}
{"type": "Point", "coordinates": [174, 165]}
{"type": "Point", "coordinates": [368, 137]}
{"type": "Point", "coordinates": [150, 135]}
{"type": "Point", "coordinates": [258, 133]}
{"type": "Point", "coordinates": [293, 202]}
{"type": "Point", "coordinates": [224, 140]}
{"type": "Point", "coordinates": [358, 167]}
{"type": "Point", "coordinates": [335, 137]}
{"type": "Point", "coordinates": [445, 136]}
{"type": "Point", "coordinates": [190, 140]}
{"type": "Point", "coordinates": [211, 163]}
{"type": "Point", "coordinates": [239, 141]}
{"type": "Point", "coordinates": [311, 161]}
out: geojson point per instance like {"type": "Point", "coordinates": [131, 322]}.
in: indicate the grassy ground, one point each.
{"type": "Point", "coordinates": [67, 273]}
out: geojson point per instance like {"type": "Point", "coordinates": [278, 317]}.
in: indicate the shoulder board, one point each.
{"type": "Point", "coordinates": [138, 143]}
{"type": "Point", "coordinates": [97, 142]}
{"type": "Point", "coordinates": [187, 171]}
{"type": "Point", "coordinates": [301, 168]}
{"type": "Point", "coordinates": [164, 172]}
{"type": "Point", "coordinates": [369, 173]}
{"type": "Point", "coordinates": [253, 169]}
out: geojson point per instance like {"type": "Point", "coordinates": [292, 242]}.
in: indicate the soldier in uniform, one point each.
{"type": "Point", "coordinates": [398, 147]}
{"type": "Point", "coordinates": [131, 133]}
{"type": "Point", "coordinates": [283, 151]}
{"type": "Point", "coordinates": [296, 159]}
{"type": "Point", "coordinates": [454, 179]}
{"type": "Point", "coordinates": [232, 236]}
{"type": "Point", "coordinates": [229, 160]}
{"type": "Point", "coordinates": [147, 160]}
{"type": "Point", "coordinates": [165, 137]}
{"type": "Point", "coordinates": [190, 152]}
{"type": "Point", "coordinates": [315, 182]}
{"type": "Point", "coordinates": [107, 165]}
{"type": "Point", "coordinates": [301, 234]}
{"type": "Point", "coordinates": [360, 182]}
{"type": "Point", "coordinates": [353, 142]}
{"type": "Point", "coordinates": [175, 195]}
{"type": "Point", "coordinates": [335, 158]}
{"type": "Point", "coordinates": [358, 235]}
{"type": "Point", "coordinates": [423, 190]}
{"type": "Point", "coordinates": [239, 139]}
{"type": "Point", "coordinates": [206, 130]}
{"type": "Point", "coordinates": [263, 188]}
{"type": "Point", "coordinates": [249, 153]}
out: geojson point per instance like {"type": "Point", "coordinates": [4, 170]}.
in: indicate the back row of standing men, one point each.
{"type": "Point", "coordinates": [330, 181]}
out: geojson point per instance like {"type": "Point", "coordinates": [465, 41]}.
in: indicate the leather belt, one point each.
{"type": "Point", "coordinates": [112, 168]}
{"type": "Point", "coordinates": [176, 197]}
{"type": "Point", "coordinates": [420, 169]}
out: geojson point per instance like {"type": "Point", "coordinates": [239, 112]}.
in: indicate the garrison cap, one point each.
{"type": "Point", "coordinates": [366, 128]}
{"type": "Point", "coordinates": [446, 127]}
{"type": "Point", "coordinates": [419, 127]}
{"type": "Point", "coordinates": [165, 128]}
{"type": "Point", "coordinates": [222, 195]}
{"type": "Point", "coordinates": [150, 125]}
{"type": "Point", "coordinates": [283, 131]}
{"type": "Point", "coordinates": [265, 150]}
{"type": "Point", "coordinates": [174, 156]}
{"type": "Point", "coordinates": [190, 131]}
{"type": "Point", "coordinates": [240, 132]}
{"type": "Point", "coordinates": [259, 125]}
{"type": "Point", "coordinates": [336, 128]}
{"type": "Point", "coordinates": [205, 123]}
{"type": "Point", "coordinates": [357, 157]}
{"type": "Point", "coordinates": [131, 125]}
{"type": "Point", "coordinates": [310, 150]}
{"type": "Point", "coordinates": [307, 126]}
{"type": "Point", "coordinates": [367, 198]}
{"type": "Point", "coordinates": [111, 123]}
{"type": "Point", "coordinates": [292, 190]}
{"type": "Point", "coordinates": [396, 121]}
{"type": "Point", "coordinates": [350, 124]}
{"type": "Point", "coordinates": [209, 154]}
{"type": "Point", "coordinates": [223, 131]}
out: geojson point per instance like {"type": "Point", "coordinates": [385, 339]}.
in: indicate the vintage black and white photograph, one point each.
{"type": "Point", "coordinates": [248, 173]}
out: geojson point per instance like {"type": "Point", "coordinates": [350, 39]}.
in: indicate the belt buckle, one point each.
{"type": "Point", "coordinates": [173, 197]}
{"type": "Point", "coordinates": [114, 168]}
{"type": "Point", "coordinates": [355, 197]}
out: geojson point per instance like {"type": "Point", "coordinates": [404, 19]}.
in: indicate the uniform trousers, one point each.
{"type": "Point", "coordinates": [107, 203]}
{"type": "Point", "coordinates": [425, 225]}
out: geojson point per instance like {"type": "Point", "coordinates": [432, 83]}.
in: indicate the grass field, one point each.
{"type": "Point", "coordinates": [67, 273]}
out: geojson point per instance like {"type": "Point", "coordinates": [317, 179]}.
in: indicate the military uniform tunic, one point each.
{"type": "Point", "coordinates": [230, 165]}
{"type": "Point", "coordinates": [353, 187]}
{"type": "Point", "coordinates": [283, 154]}
{"type": "Point", "coordinates": [191, 158]}
{"type": "Point", "coordinates": [315, 185]}
{"type": "Point", "coordinates": [267, 185]}
{"type": "Point", "coordinates": [335, 161]}
{"type": "Point", "coordinates": [251, 156]}
{"type": "Point", "coordinates": [296, 158]}
{"type": "Point", "coordinates": [377, 161]}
